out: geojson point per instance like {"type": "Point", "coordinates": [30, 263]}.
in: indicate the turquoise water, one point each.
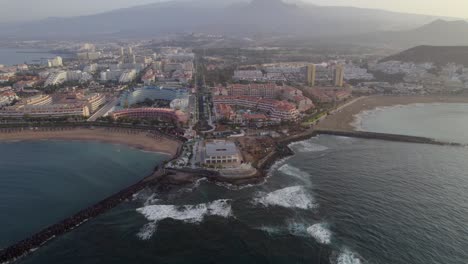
{"type": "Point", "coordinates": [443, 121]}
{"type": "Point", "coordinates": [46, 181]}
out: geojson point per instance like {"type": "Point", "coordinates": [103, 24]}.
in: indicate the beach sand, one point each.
{"type": "Point", "coordinates": [133, 138]}
{"type": "Point", "coordinates": [343, 119]}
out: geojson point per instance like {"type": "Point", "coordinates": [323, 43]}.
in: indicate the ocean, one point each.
{"type": "Point", "coordinates": [13, 56]}
{"type": "Point", "coordinates": [44, 182]}
{"type": "Point", "coordinates": [338, 200]}
{"type": "Point", "coordinates": [443, 121]}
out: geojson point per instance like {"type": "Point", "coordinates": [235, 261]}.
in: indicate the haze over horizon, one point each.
{"type": "Point", "coordinates": [13, 10]}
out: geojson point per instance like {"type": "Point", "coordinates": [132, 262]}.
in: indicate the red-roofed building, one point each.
{"type": "Point", "coordinates": [278, 110]}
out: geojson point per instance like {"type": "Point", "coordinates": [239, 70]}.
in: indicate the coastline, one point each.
{"type": "Point", "coordinates": [343, 119]}
{"type": "Point", "coordinates": [144, 140]}
{"type": "Point", "coordinates": [140, 139]}
{"type": "Point", "coordinates": [137, 139]}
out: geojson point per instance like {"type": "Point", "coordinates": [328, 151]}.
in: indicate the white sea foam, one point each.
{"type": "Point", "coordinates": [193, 186]}
{"type": "Point", "coordinates": [186, 213]}
{"type": "Point", "coordinates": [307, 146]}
{"type": "Point", "coordinates": [147, 231]}
{"type": "Point", "coordinates": [292, 227]}
{"type": "Point", "coordinates": [348, 257]}
{"type": "Point", "coordinates": [152, 199]}
{"type": "Point", "coordinates": [271, 230]}
{"type": "Point", "coordinates": [290, 197]}
{"type": "Point", "coordinates": [321, 233]}
{"type": "Point", "coordinates": [234, 187]}
{"type": "Point", "coordinates": [276, 165]}
{"type": "Point", "coordinates": [297, 228]}
{"type": "Point", "coordinates": [295, 172]}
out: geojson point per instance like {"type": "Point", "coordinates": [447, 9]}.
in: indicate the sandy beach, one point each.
{"type": "Point", "coordinates": [342, 120]}
{"type": "Point", "coordinates": [133, 138]}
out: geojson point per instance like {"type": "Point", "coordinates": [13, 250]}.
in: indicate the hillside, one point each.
{"type": "Point", "coordinates": [439, 55]}
{"type": "Point", "coordinates": [437, 33]}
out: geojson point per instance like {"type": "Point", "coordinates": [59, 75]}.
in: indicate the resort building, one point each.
{"type": "Point", "coordinates": [55, 62]}
{"type": "Point", "coordinates": [128, 76]}
{"type": "Point", "coordinates": [54, 110]}
{"type": "Point", "coordinates": [94, 101]}
{"type": "Point", "coordinates": [274, 109]}
{"type": "Point", "coordinates": [339, 76]}
{"type": "Point", "coordinates": [162, 114]}
{"type": "Point", "coordinates": [267, 91]}
{"type": "Point", "coordinates": [221, 153]}
{"type": "Point", "coordinates": [136, 95]}
{"type": "Point", "coordinates": [7, 98]}
{"type": "Point", "coordinates": [41, 99]}
{"type": "Point", "coordinates": [56, 78]}
{"type": "Point", "coordinates": [43, 106]}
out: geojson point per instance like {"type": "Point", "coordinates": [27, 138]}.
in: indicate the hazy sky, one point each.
{"type": "Point", "coordinates": [20, 10]}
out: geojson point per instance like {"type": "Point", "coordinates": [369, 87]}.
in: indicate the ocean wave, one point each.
{"type": "Point", "coordinates": [297, 228]}
{"type": "Point", "coordinates": [185, 213]}
{"type": "Point", "coordinates": [147, 231]}
{"type": "Point", "coordinates": [192, 186]}
{"type": "Point", "coordinates": [290, 197]}
{"type": "Point", "coordinates": [152, 199]}
{"type": "Point", "coordinates": [276, 165]}
{"type": "Point", "coordinates": [321, 233]}
{"type": "Point", "coordinates": [307, 146]}
{"type": "Point", "coordinates": [236, 187]}
{"type": "Point", "coordinates": [347, 256]}
{"type": "Point", "coordinates": [292, 228]}
{"type": "Point", "coordinates": [295, 172]}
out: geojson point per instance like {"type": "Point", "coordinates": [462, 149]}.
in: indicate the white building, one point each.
{"type": "Point", "coordinates": [74, 75]}
{"type": "Point", "coordinates": [128, 76]}
{"type": "Point", "coordinates": [56, 78]}
{"type": "Point", "coordinates": [55, 62]}
{"type": "Point", "coordinates": [221, 153]}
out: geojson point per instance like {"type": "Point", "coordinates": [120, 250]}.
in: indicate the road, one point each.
{"type": "Point", "coordinates": [104, 110]}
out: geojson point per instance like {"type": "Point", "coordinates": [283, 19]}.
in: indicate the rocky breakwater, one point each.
{"type": "Point", "coordinates": [28, 245]}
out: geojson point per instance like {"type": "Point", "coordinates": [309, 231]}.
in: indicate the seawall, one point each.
{"type": "Point", "coordinates": [26, 246]}
{"type": "Point", "coordinates": [387, 137]}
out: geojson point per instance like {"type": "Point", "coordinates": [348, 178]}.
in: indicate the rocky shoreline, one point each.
{"type": "Point", "coordinates": [28, 245]}
{"type": "Point", "coordinates": [37, 240]}
{"type": "Point", "coordinates": [161, 177]}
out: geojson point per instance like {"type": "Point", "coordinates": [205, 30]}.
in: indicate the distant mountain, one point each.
{"type": "Point", "coordinates": [436, 33]}
{"type": "Point", "coordinates": [440, 55]}
{"type": "Point", "coordinates": [228, 17]}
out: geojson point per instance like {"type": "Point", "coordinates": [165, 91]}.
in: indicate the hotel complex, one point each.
{"type": "Point", "coordinates": [137, 95]}
{"type": "Point", "coordinates": [161, 114]}
{"type": "Point", "coordinates": [276, 110]}
{"type": "Point", "coordinates": [44, 106]}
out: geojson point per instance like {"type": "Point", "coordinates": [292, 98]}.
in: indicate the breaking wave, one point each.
{"type": "Point", "coordinates": [293, 171]}
{"type": "Point", "coordinates": [186, 213]}
{"type": "Point", "coordinates": [321, 233]}
{"type": "Point", "coordinates": [348, 257]}
{"type": "Point", "coordinates": [307, 146]}
{"type": "Point", "coordinates": [296, 173]}
{"type": "Point", "coordinates": [290, 197]}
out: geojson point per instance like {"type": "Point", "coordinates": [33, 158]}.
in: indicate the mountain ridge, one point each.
{"type": "Point", "coordinates": [258, 16]}
{"type": "Point", "coordinates": [440, 55]}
